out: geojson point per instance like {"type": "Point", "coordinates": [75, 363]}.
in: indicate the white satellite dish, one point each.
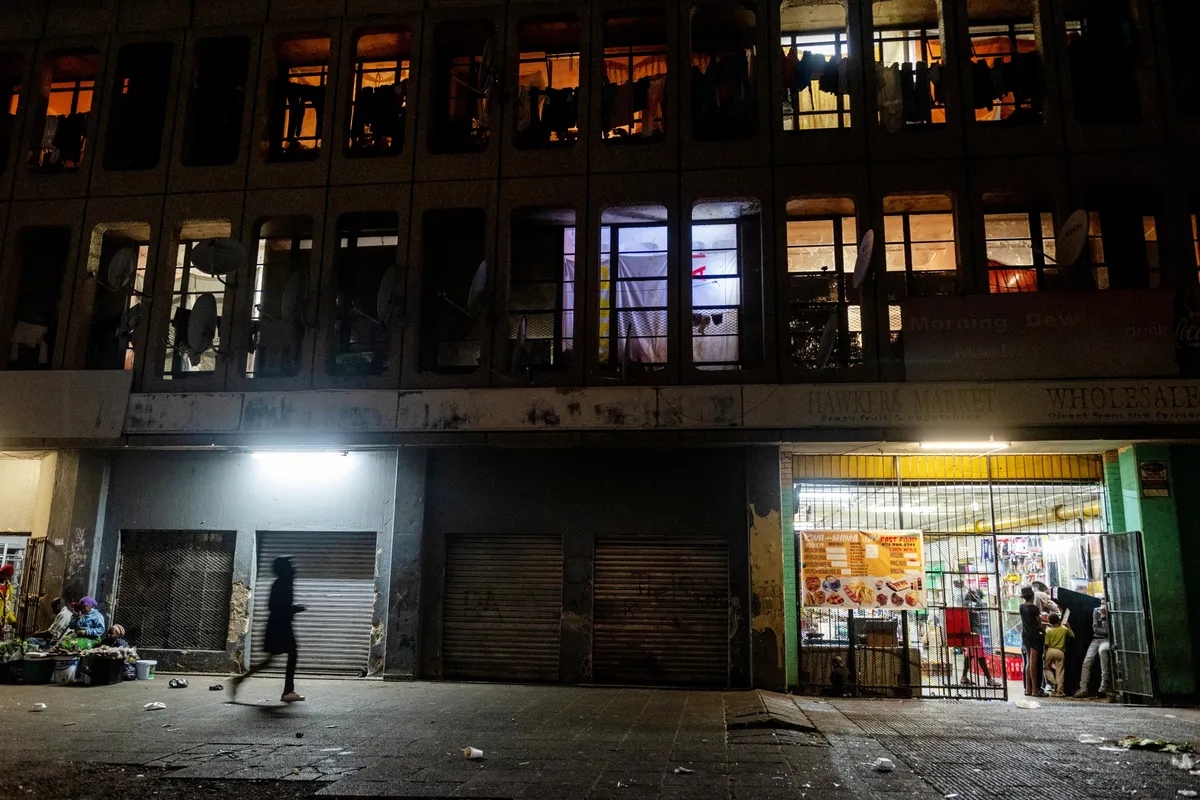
{"type": "Point", "coordinates": [386, 299]}
{"type": "Point", "coordinates": [1072, 237]}
{"type": "Point", "coordinates": [122, 268]}
{"type": "Point", "coordinates": [295, 292]}
{"type": "Point", "coordinates": [862, 263]}
{"type": "Point", "coordinates": [475, 296]}
{"type": "Point", "coordinates": [519, 347]}
{"type": "Point", "coordinates": [828, 340]}
{"type": "Point", "coordinates": [202, 324]}
{"type": "Point", "coordinates": [219, 256]}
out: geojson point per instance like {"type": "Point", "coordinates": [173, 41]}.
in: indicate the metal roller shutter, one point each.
{"type": "Point", "coordinates": [502, 607]}
{"type": "Point", "coordinates": [335, 580]}
{"type": "Point", "coordinates": [661, 611]}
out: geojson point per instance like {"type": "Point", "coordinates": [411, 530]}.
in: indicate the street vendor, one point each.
{"type": "Point", "coordinates": [90, 622]}
{"type": "Point", "coordinates": [114, 637]}
{"type": "Point", "coordinates": [8, 597]}
{"type": "Point", "coordinates": [58, 628]}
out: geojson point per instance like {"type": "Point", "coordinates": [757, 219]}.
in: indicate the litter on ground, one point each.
{"type": "Point", "coordinates": [884, 765]}
{"type": "Point", "coordinates": [1028, 704]}
{"type": "Point", "coordinates": [154, 706]}
{"type": "Point", "coordinates": [1159, 745]}
{"type": "Point", "coordinates": [683, 771]}
{"type": "Point", "coordinates": [1090, 738]}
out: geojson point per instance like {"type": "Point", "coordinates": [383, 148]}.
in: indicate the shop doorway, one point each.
{"type": "Point", "coordinates": [990, 524]}
{"type": "Point", "coordinates": [335, 582]}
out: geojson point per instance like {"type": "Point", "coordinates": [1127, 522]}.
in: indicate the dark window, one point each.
{"type": "Point", "coordinates": [908, 64]}
{"type": "Point", "coordinates": [1102, 52]}
{"type": "Point", "coordinates": [1123, 249]}
{"type": "Point", "coordinates": [822, 244]}
{"type": "Point", "coordinates": [379, 93]}
{"type": "Point", "coordinates": [297, 99]}
{"type": "Point", "coordinates": [282, 261]}
{"type": "Point", "coordinates": [464, 73]}
{"type": "Point", "coordinates": [368, 244]}
{"type": "Point", "coordinates": [42, 253]}
{"type": "Point", "coordinates": [12, 72]}
{"type": "Point", "coordinates": [116, 308]}
{"type": "Point", "coordinates": [64, 105]}
{"type": "Point", "coordinates": [1006, 68]}
{"type": "Point", "coordinates": [725, 270]}
{"type": "Point", "coordinates": [634, 319]}
{"type": "Point", "coordinates": [216, 102]}
{"type": "Point", "coordinates": [635, 77]}
{"type": "Point", "coordinates": [724, 47]}
{"type": "Point", "coordinates": [139, 106]}
{"type": "Point", "coordinates": [816, 44]}
{"type": "Point", "coordinates": [187, 286]}
{"type": "Point", "coordinates": [452, 258]}
{"type": "Point", "coordinates": [1183, 20]}
{"type": "Point", "coordinates": [547, 111]}
{"type": "Point", "coordinates": [541, 290]}
{"type": "Point", "coordinates": [174, 589]}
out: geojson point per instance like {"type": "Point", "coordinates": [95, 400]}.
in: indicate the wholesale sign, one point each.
{"type": "Point", "coordinates": [863, 569]}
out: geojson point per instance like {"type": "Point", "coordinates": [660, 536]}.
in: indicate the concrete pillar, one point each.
{"type": "Point", "coordinates": [791, 605]}
{"type": "Point", "coordinates": [1158, 520]}
{"type": "Point", "coordinates": [1113, 495]}
{"type": "Point", "coordinates": [767, 619]}
{"type": "Point", "coordinates": [398, 648]}
{"type": "Point", "coordinates": [575, 650]}
{"type": "Point", "coordinates": [1185, 469]}
{"type": "Point", "coordinates": [76, 512]}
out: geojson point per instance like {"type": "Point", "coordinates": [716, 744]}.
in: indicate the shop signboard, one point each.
{"type": "Point", "coordinates": [1056, 335]}
{"type": "Point", "coordinates": [1155, 482]}
{"type": "Point", "coordinates": [863, 569]}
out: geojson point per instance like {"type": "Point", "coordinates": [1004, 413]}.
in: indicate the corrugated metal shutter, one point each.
{"type": "Point", "coordinates": [335, 580]}
{"type": "Point", "coordinates": [502, 607]}
{"type": "Point", "coordinates": [661, 611]}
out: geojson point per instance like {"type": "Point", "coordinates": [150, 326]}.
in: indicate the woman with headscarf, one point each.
{"type": "Point", "coordinates": [90, 622]}
{"type": "Point", "coordinates": [280, 638]}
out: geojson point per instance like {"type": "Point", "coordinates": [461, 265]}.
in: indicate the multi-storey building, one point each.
{"type": "Point", "coordinates": [542, 332]}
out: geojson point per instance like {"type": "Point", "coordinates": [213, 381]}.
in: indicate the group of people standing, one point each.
{"type": "Point", "coordinates": [1044, 637]}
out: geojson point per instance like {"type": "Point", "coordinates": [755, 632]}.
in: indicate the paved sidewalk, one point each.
{"type": "Point", "coordinates": [404, 739]}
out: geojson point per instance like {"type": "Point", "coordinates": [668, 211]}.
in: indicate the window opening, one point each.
{"type": "Point", "coordinates": [65, 101]}
{"type": "Point", "coordinates": [547, 111]}
{"type": "Point", "coordinates": [282, 262]}
{"type": "Point", "coordinates": [1183, 20]}
{"type": "Point", "coordinates": [1020, 260]}
{"type": "Point", "coordinates": [465, 70]}
{"type": "Point", "coordinates": [816, 44]}
{"type": "Point", "coordinates": [725, 265]}
{"type": "Point", "coordinates": [139, 110]}
{"type": "Point", "coordinates": [216, 102]}
{"type": "Point", "coordinates": [42, 254]}
{"type": "Point", "coordinates": [1123, 250]}
{"type": "Point", "coordinates": [452, 325]}
{"type": "Point", "coordinates": [379, 94]}
{"type": "Point", "coordinates": [541, 292]}
{"type": "Point", "coordinates": [116, 309]}
{"type": "Point", "coordinates": [724, 102]}
{"type": "Point", "coordinates": [822, 245]}
{"type": "Point", "coordinates": [368, 244]}
{"type": "Point", "coordinates": [908, 63]}
{"type": "Point", "coordinates": [1102, 53]}
{"type": "Point", "coordinates": [12, 72]}
{"type": "Point", "coordinates": [1006, 68]}
{"type": "Point", "coordinates": [635, 78]}
{"type": "Point", "coordinates": [189, 284]}
{"type": "Point", "coordinates": [920, 253]}
{"type": "Point", "coordinates": [634, 319]}
{"type": "Point", "coordinates": [298, 103]}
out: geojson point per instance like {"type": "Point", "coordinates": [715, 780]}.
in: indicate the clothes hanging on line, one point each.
{"type": "Point", "coordinates": [542, 112]}
{"type": "Point", "coordinates": [297, 98]}
{"type": "Point", "coordinates": [379, 114]}
{"type": "Point", "coordinates": [907, 93]}
{"type": "Point", "coordinates": [620, 102]}
{"type": "Point", "coordinates": [68, 137]}
{"type": "Point", "coordinates": [1021, 76]}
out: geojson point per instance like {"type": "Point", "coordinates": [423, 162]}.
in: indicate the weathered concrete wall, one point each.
{"type": "Point", "coordinates": [580, 493]}
{"type": "Point", "coordinates": [767, 619]}
{"type": "Point", "coordinates": [398, 649]}
{"type": "Point", "coordinates": [18, 493]}
{"type": "Point", "coordinates": [77, 496]}
{"type": "Point", "coordinates": [221, 491]}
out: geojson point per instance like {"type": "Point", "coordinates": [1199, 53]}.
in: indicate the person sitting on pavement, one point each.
{"type": "Point", "coordinates": [58, 627]}
{"type": "Point", "coordinates": [114, 637]}
{"type": "Point", "coordinates": [1101, 647]}
{"type": "Point", "coordinates": [1056, 653]}
{"type": "Point", "coordinates": [90, 623]}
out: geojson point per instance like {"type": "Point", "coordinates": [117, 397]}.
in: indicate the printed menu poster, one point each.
{"type": "Point", "coordinates": [863, 569]}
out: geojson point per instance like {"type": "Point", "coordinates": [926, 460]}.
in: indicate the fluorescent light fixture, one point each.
{"type": "Point", "coordinates": [975, 446]}
{"type": "Point", "coordinates": [310, 466]}
{"type": "Point", "coordinates": [825, 494]}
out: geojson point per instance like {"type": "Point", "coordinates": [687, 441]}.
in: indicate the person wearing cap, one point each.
{"type": "Point", "coordinates": [8, 597]}
{"type": "Point", "coordinates": [90, 622]}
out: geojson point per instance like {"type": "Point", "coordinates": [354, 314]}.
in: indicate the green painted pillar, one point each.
{"type": "Point", "coordinates": [787, 514]}
{"type": "Point", "coordinates": [1158, 520]}
{"type": "Point", "coordinates": [1112, 487]}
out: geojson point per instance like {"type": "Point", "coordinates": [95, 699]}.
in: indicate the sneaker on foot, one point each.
{"type": "Point", "coordinates": [292, 697]}
{"type": "Point", "coordinates": [994, 684]}
{"type": "Point", "coordinates": [1082, 694]}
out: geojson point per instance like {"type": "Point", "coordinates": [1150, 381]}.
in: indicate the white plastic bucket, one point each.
{"type": "Point", "coordinates": [145, 669]}
{"type": "Point", "coordinates": [64, 669]}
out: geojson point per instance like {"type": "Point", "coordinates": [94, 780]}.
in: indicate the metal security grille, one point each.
{"type": "Point", "coordinates": [955, 648]}
{"type": "Point", "coordinates": [31, 584]}
{"type": "Point", "coordinates": [661, 611]}
{"type": "Point", "coordinates": [174, 588]}
{"type": "Point", "coordinates": [1125, 589]}
{"type": "Point", "coordinates": [335, 581]}
{"type": "Point", "coordinates": [503, 607]}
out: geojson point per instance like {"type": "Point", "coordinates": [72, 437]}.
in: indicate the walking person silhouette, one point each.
{"type": "Point", "coordinates": [280, 638]}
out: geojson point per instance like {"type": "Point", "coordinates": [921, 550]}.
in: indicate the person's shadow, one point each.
{"type": "Point", "coordinates": [270, 710]}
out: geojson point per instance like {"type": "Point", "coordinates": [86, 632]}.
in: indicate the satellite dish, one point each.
{"type": "Point", "coordinates": [1072, 237]}
{"type": "Point", "coordinates": [828, 340]}
{"type": "Point", "coordinates": [862, 263]}
{"type": "Point", "coordinates": [387, 296]}
{"type": "Point", "coordinates": [483, 81]}
{"type": "Point", "coordinates": [478, 287]}
{"type": "Point", "coordinates": [122, 268]}
{"type": "Point", "coordinates": [202, 324]}
{"type": "Point", "coordinates": [295, 291]}
{"type": "Point", "coordinates": [219, 256]}
{"type": "Point", "coordinates": [518, 356]}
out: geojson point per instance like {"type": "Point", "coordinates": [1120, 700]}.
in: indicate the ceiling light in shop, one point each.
{"type": "Point", "coordinates": [970, 446]}
{"type": "Point", "coordinates": [904, 509]}
{"type": "Point", "coordinates": [825, 494]}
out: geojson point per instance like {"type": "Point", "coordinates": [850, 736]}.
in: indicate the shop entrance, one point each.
{"type": "Point", "coordinates": [990, 524]}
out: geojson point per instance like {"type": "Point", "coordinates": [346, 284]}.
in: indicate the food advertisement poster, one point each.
{"type": "Point", "coordinates": [863, 569]}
